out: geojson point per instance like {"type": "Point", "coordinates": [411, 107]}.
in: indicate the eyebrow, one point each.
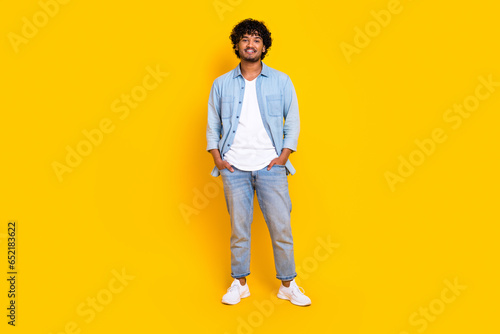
{"type": "Point", "coordinates": [247, 36]}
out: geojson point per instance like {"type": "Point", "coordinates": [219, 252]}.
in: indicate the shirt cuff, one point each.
{"type": "Point", "coordinates": [212, 145]}
{"type": "Point", "coordinates": [290, 143]}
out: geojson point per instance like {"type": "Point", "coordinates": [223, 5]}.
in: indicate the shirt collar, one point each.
{"type": "Point", "coordinates": [264, 71]}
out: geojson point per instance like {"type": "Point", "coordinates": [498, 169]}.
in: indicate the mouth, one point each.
{"type": "Point", "coordinates": [250, 51]}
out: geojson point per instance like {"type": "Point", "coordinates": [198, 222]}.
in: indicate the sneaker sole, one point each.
{"type": "Point", "coordinates": [285, 297]}
{"type": "Point", "coordinates": [245, 295]}
{"type": "Point", "coordinates": [282, 296]}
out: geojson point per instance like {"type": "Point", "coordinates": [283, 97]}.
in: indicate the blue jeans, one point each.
{"type": "Point", "coordinates": [274, 201]}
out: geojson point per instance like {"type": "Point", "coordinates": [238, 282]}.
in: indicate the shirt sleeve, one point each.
{"type": "Point", "coordinates": [291, 128]}
{"type": "Point", "coordinates": [214, 125]}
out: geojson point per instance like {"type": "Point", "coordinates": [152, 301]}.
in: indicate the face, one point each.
{"type": "Point", "coordinates": [250, 48]}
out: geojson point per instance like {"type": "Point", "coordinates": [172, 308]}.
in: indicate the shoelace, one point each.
{"type": "Point", "coordinates": [231, 288]}
{"type": "Point", "coordinates": [299, 289]}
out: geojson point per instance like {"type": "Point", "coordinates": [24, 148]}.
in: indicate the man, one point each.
{"type": "Point", "coordinates": [253, 127]}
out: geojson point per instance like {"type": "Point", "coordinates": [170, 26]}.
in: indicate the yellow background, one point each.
{"type": "Point", "coordinates": [120, 209]}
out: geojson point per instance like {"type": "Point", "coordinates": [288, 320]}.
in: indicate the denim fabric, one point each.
{"type": "Point", "coordinates": [271, 188]}
{"type": "Point", "coordinates": [278, 108]}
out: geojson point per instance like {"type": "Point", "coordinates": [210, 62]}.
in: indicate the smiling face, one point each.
{"type": "Point", "coordinates": [250, 48]}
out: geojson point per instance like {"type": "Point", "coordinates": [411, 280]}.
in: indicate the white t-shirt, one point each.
{"type": "Point", "coordinates": [252, 148]}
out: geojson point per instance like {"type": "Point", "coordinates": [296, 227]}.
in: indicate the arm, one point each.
{"type": "Point", "coordinates": [214, 125]}
{"type": "Point", "coordinates": [214, 128]}
{"type": "Point", "coordinates": [291, 127]}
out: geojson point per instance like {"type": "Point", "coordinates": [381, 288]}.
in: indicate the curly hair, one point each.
{"type": "Point", "coordinates": [251, 27]}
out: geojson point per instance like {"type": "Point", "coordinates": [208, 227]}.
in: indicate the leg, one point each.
{"type": "Point", "coordinates": [274, 200]}
{"type": "Point", "coordinates": [239, 193]}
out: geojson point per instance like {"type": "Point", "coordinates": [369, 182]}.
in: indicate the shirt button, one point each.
{"type": "Point", "coordinates": [242, 87]}
{"type": "Point", "coordinates": [240, 102]}
{"type": "Point", "coordinates": [228, 145]}
{"type": "Point", "coordinates": [234, 131]}
{"type": "Point", "coordinates": [237, 116]}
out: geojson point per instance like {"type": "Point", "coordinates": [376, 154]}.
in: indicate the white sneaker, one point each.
{"type": "Point", "coordinates": [294, 294]}
{"type": "Point", "coordinates": [235, 292]}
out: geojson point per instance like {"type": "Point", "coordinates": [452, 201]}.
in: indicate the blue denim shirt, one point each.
{"type": "Point", "coordinates": [278, 108]}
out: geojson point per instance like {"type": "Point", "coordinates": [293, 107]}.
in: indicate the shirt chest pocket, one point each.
{"type": "Point", "coordinates": [274, 105]}
{"type": "Point", "coordinates": [227, 106]}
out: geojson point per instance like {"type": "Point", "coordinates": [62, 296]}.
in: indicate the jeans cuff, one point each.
{"type": "Point", "coordinates": [240, 276]}
{"type": "Point", "coordinates": [286, 278]}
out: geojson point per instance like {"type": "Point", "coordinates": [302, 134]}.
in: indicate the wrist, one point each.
{"type": "Point", "coordinates": [281, 161]}
{"type": "Point", "coordinates": [283, 157]}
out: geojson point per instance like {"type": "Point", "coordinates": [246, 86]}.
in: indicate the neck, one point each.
{"type": "Point", "coordinates": [250, 70]}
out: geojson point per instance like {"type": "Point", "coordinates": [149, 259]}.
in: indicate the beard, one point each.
{"type": "Point", "coordinates": [255, 58]}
